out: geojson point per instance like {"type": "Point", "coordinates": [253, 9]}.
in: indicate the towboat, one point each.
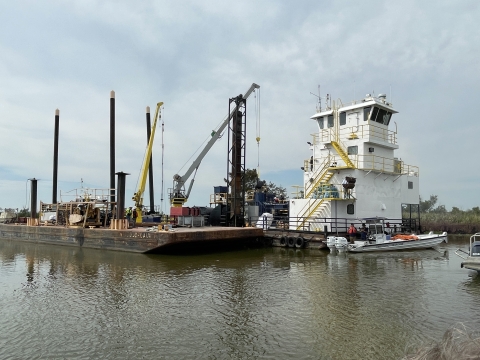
{"type": "Point", "coordinates": [472, 257]}
{"type": "Point", "coordinates": [353, 170]}
{"type": "Point", "coordinates": [381, 239]}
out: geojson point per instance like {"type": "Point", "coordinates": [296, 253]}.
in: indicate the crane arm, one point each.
{"type": "Point", "coordinates": [138, 196]}
{"type": "Point", "coordinates": [179, 181]}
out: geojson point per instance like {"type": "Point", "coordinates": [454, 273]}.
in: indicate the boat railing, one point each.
{"type": "Point", "coordinates": [385, 165]}
{"type": "Point", "coordinates": [86, 195]}
{"type": "Point", "coordinates": [461, 253]}
{"type": "Point", "coordinates": [368, 132]}
{"type": "Point", "coordinates": [326, 225]}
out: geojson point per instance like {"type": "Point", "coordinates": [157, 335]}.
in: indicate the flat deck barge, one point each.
{"type": "Point", "coordinates": [138, 240]}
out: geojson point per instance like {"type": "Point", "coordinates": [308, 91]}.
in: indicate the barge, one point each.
{"type": "Point", "coordinates": [138, 240]}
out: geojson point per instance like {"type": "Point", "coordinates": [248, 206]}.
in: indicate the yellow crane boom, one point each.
{"type": "Point", "coordinates": [138, 195]}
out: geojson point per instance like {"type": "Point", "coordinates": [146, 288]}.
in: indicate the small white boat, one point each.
{"type": "Point", "coordinates": [472, 257]}
{"type": "Point", "coordinates": [380, 240]}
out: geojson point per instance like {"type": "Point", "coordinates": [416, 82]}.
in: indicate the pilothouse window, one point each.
{"type": "Point", "coordinates": [330, 121]}
{"type": "Point", "coordinates": [320, 122]}
{"type": "Point", "coordinates": [343, 118]}
{"type": "Point", "coordinates": [366, 113]}
{"type": "Point", "coordinates": [381, 116]}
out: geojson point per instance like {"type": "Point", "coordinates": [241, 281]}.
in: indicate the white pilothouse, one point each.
{"type": "Point", "coordinates": [353, 171]}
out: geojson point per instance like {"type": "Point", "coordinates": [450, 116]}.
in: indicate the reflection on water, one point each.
{"type": "Point", "coordinates": [269, 303]}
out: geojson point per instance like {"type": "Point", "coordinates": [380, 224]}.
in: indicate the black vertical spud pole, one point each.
{"type": "Point", "coordinates": [121, 194]}
{"type": "Point", "coordinates": [150, 165]}
{"type": "Point", "coordinates": [55, 157]}
{"type": "Point", "coordinates": [33, 198]}
{"type": "Point", "coordinates": [112, 148]}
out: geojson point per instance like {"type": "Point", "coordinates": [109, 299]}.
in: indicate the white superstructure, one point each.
{"type": "Point", "coordinates": [353, 172]}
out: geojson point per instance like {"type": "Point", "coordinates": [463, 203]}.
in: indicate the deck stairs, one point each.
{"type": "Point", "coordinates": [322, 175]}
{"type": "Point", "coordinates": [343, 154]}
{"type": "Point", "coordinates": [308, 210]}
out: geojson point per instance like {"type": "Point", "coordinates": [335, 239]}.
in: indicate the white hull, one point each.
{"type": "Point", "coordinates": [471, 263]}
{"type": "Point", "coordinates": [424, 242]}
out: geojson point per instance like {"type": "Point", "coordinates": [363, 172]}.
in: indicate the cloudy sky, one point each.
{"type": "Point", "coordinates": [195, 55]}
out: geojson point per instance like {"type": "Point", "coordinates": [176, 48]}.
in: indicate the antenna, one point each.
{"type": "Point", "coordinates": [319, 104]}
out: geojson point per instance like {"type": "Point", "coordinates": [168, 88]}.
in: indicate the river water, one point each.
{"type": "Point", "coordinates": [265, 303]}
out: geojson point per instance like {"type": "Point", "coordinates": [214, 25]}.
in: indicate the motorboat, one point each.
{"type": "Point", "coordinates": [380, 239]}
{"type": "Point", "coordinates": [472, 257]}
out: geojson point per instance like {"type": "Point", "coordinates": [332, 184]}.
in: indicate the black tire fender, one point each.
{"type": "Point", "coordinates": [299, 242]}
{"type": "Point", "coordinates": [283, 241]}
{"type": "Point", "coordinates": [291, 242]}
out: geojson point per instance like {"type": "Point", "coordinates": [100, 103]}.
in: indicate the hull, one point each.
{"type": "Point", "coordinates": [471, 263]}
{"type": "Point", "coordinates": [422, 243]}
{"type": "Point", "coordinates": [138, 240]}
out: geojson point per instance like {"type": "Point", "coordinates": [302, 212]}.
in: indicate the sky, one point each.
{"type": "Point", "coordinates": [194, 56]}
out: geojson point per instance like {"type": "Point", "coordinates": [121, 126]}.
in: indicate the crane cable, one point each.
{"type": "Point", "coordinates": [257, 115]}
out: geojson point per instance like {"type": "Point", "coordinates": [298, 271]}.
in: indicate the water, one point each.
{"type": "Point", "coordinates": [270, 303]}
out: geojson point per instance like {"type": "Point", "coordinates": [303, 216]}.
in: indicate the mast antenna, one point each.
{"type": "Point", "coordinates": [319, 103]}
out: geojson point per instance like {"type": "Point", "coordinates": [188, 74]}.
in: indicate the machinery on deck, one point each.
{"type": "Point", "coordinates": [178, 196]}
{"type": "Point", "coordinates": [138, 195]}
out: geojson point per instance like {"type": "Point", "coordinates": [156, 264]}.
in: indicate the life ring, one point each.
{"type": "Point", "coordinates": [299, 242]}
{"type": "Point", "coordinates": [291, 242]}
{"type": "Point", "coordinates": [283, 241]}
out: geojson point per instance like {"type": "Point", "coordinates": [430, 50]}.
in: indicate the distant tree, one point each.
{"type": "Point", "coordinates": [428, 205]}
{"type": "Point", "coordinates": [456, 210]}
{"type": "Point", "coordinates": [24, 213]}
{"type": "Point", "coordinates": [253, 182]}
{"type": "Point", "coordinates": [475, 210]}
{"type": "Point", "coordinates": [440, 209]}
{"type": "Point", "coordinates": [278, 190]}
{"type": "Point", "coordinates": [251, 179]}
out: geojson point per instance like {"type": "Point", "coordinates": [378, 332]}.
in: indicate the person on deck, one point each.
{"type": "Point", "coordinates": [352, 232]}
{"type": "Point", "coordinates": [128, 214]}
{"type": "Point", "coordinates": [134, 214]}
{"type": "Point", "coordinates": [363, 232]}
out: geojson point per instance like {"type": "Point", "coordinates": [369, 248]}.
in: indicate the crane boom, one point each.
{"type": "Point", "coordinates": [178, 196]}
{"type": "Point", "coordinates": [138, 195]}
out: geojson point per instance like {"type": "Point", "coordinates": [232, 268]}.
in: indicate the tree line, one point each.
{"type": "Point", "coordinates": [436, 217]}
